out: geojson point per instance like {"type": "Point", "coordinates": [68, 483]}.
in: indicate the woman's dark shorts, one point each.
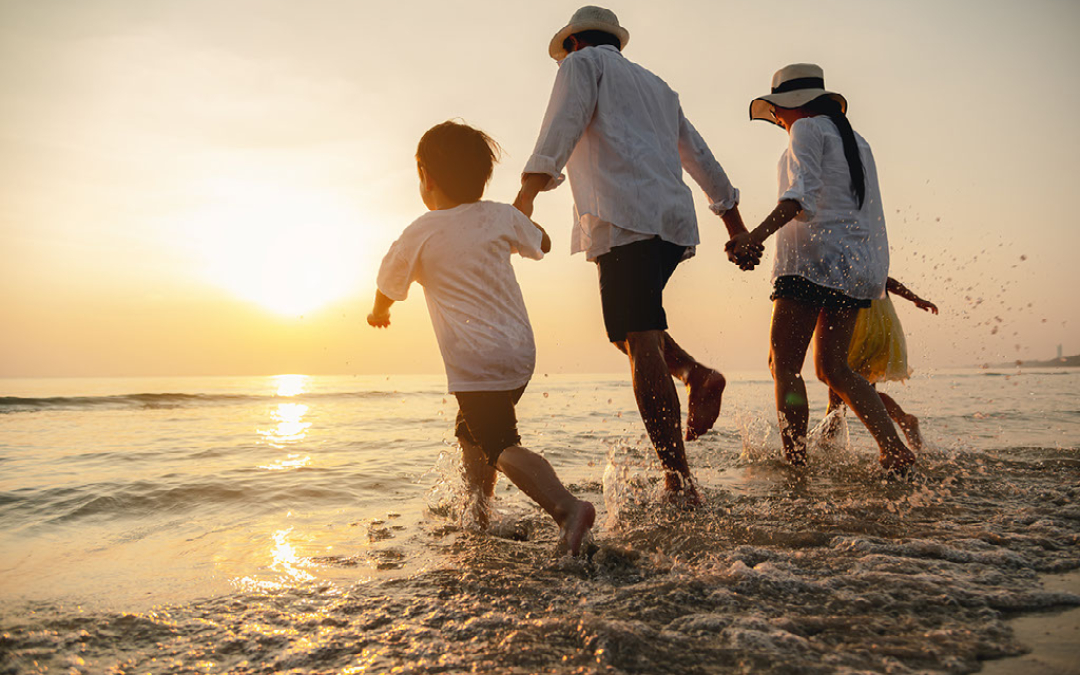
{"type": "Point", "coordinates": [807, 292]}
{"type": "Point", "coordinates": [487, 419]}
{"type": "Point", "coordinates": [632, 280]}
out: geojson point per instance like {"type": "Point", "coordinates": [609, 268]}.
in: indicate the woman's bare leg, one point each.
{"type": "Point", "coordinates": [792, 327]}
{"type": "Point", "coordinates": [833, 336]}
{"type": "Point", "coordinates": [835, 402]}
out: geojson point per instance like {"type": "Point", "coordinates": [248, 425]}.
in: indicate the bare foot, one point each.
{"type": "Point", "coordinates": [680, 492]}
{"type": "Point", "coordinates": [706, 389]}
{"type": "Point", "coordinates": [897, 463]}
{"type": "Point", "coordinates": [575, 527]}
{"type": "Point", "coordinates": [796, 457]}
{"type": "Point", "coordinates": [910, 427]}
{"type": "Point", "coordinates": [477, 515]}
{"type": "Point", "coordinates": [831, 425]}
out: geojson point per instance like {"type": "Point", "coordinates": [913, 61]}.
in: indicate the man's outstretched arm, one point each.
{"type": "Point", "coordinates": [698, 160]}
{"type": "Point", "coordinates": [570, 108]}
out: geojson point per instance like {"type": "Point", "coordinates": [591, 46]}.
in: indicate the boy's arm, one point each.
{"type": "Point", "coordinates": [896, 288]}
{"type": "Point", "coordinates": [532, 184]}
{"type": "Point", "coordinates": [380, 311]}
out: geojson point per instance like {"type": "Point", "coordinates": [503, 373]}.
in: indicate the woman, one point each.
{"type": "Point", "coordinates": [832, 256]}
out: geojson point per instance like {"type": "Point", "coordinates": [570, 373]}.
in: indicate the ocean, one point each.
{"type": "Point", "coordinates": [313, 525]}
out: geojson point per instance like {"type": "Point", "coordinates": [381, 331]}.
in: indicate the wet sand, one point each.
{"type": "Point", "coordinates": [1053, 637]}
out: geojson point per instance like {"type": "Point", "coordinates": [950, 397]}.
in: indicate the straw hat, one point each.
{"type": "Point", "coordinates": [588, 17]}
{"type": "Point", "coordinates": [793, 86]}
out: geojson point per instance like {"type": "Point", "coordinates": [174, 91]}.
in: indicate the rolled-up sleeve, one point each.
{"type": "Point", "coordinates": [570, 108]}
{"type": "Point", "coordinates": [699, 162]}
{"type": "Point", "coordinates": [802, 162]}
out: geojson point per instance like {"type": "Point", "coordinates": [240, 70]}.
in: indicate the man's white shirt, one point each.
{"type": "Point", "coordinates": [620, 132]}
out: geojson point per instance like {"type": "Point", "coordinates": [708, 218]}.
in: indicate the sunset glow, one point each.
{"type": "Point", "coordinates": [243, 167]}
{"type": "Point", "coordinates": [288, 251]}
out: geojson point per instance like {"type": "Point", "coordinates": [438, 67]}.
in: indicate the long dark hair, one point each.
{"type": "Point", "coordinates": [827, 105]}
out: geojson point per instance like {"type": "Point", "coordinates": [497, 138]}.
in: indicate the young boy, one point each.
{"type": "Point", "coordinates": [460, 253]}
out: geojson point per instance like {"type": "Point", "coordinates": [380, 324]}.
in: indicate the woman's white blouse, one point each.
{"type": "Point", "coordinates": [832, 242]}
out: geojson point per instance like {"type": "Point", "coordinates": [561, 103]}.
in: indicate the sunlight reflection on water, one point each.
{"type": "Point", "coordinates": [284, 561]}
{"type": "Point", "coordinates": [291, 385]}
{"type": "Point", "coordinates": [291, 426]}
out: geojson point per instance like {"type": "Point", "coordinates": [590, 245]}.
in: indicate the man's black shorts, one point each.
{"type": "Point", "coordinates": [487, 419]}
{"type": "Point", "coordinates": [807, 292]}
{"type": "Point", "coordinates": [632, 280]}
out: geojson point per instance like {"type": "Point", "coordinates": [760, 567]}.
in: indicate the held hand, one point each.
{"type": "Point", "coordinates": [744, 251]}
{"type": "Point", "coordinates": [926, 305]}
{"type": "Point", "coordinates": [379, 320]}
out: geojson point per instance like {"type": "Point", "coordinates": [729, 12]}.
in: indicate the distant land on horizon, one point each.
{"type": "Point", "coordinates": [1063, 362]}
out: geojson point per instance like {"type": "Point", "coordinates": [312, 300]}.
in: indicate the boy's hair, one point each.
{"type": "Point", "coordinates": [596, 38]}
{"type": "Point", "coordinates": [459, 159]}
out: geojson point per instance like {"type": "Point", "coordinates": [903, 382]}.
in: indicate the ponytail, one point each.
{"type": "Point", "coordinates": [827, 105]}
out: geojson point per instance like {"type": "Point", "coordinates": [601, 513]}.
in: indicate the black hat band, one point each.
{"type": "Point", "coordinates": [800, 83]}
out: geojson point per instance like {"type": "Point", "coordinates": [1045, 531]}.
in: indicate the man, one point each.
{"type": "Point", "coordinates": [620, 132]}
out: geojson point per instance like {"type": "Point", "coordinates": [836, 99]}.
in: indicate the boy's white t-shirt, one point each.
{"type": "Point", "coordinates": [461, 256]}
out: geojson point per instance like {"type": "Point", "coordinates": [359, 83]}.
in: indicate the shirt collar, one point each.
{"type": "Point", "coordinates": [610, 48]}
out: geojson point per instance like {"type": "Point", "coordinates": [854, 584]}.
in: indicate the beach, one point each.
{"type": "Point", "coordinates": [313, 524]}
{"type": "Point", "coordinates": [1053, 637]}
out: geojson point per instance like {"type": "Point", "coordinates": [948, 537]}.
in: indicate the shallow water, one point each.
{"type": "Point", "coordinates": [312, 524]}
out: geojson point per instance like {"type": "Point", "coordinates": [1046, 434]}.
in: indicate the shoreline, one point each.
{"type": "Point", "coordinates": [1052, 636]}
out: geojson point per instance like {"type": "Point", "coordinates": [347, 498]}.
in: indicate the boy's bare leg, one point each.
{"type": "Point", "coordinates": [534, 476]}
{"type": "Point", "coordinates": [789, 336]}
{"type": "Point", "coordinates": [658, 403]}
{"type": "Point", "coordinates": [908, 423]}
{"type": "Point", "coordinates": [705, 387]}
{"type": "Point", "coordinates": [833, 337]}
{"type": "Point", "coordinates": [480, 480]}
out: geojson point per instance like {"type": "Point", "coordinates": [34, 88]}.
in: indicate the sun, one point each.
{"type": "Point", "coordinates": [289, 251]}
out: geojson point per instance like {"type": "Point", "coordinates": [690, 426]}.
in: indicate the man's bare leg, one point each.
{"type": "Point", "coordinates": [535, 477]}
{"type": "Point", "coordinates": [480, 480]}
{"type": "Point", "coordinates": [907, 422]}
{"type": "Point", "coordinates": [705, 387]}
{"type": "Point", "coordinates": [658, 403]}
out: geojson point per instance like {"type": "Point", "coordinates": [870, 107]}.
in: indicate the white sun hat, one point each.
{"type": "Point", "coordinates": [588, 17]}
{"type": "Point", "coordinates": [793, 86]}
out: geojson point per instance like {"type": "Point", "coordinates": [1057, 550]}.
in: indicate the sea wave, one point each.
{"type": "Point", "coordinates": [154, 401]}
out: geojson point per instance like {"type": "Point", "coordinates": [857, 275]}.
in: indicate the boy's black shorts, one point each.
{"type": "Point", "coordinates": [487, 419]}
{"type": "Point", "coordinates": [801, 289]}
{"type": "Point", "coordinates": [632, 280]}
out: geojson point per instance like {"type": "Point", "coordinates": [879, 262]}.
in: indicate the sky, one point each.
{"type": "Point", "coordinates": [207, 187]}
